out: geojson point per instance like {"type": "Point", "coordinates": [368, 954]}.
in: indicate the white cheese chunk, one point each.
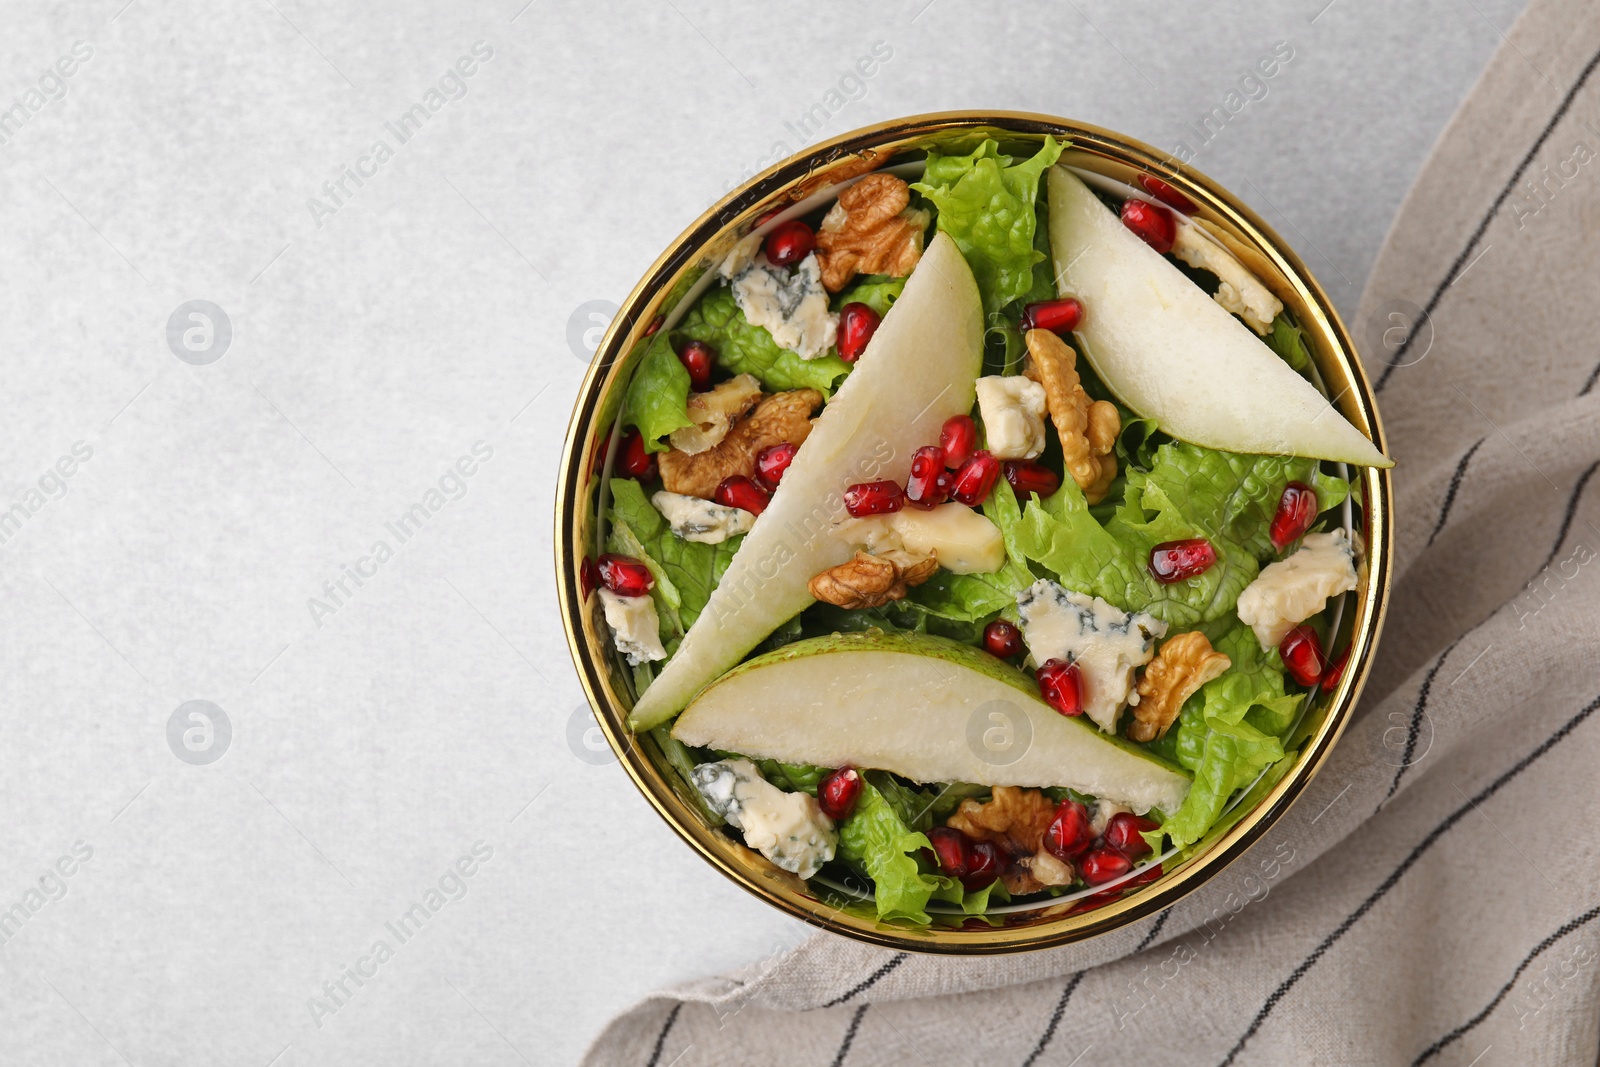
{"type": "Point", "coordinates": [1013, 415]}
{"type": "Point", "coordinates": [740, 256]}
{"type": "Point", "coordinates": [963, 540]}
{"type": "Point", "coordinates": [793, 306]}
{"type": "Point", "coordinates": [1107, 643]}
{"type": "Point", "coordinates": [699, 520]}
{"type": "Point", "coordinates": [787, 828]}
{"type": "Point", "coordinates": [1241, 292]}
{"type": "Point", "coordinates": [1292, 590]}
{"type": "Point", "coordinates": [634, 626]}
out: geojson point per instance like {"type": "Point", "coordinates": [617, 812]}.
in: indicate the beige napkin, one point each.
{"type": "Point", "coordinates": [1433, 895]}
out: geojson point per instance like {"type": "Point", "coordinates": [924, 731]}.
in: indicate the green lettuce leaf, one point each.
{"type": "Point", "coordinates": [1288, 340]}
{"type": "Point", "coordinates": [690, 569]}
{"type": "Point", "coordinates": [877, 291]}
{"type": "Point", "coordinates": [876, 837]}
{"type": "Point", "coordinates": [790, 777]}
{"type": "Point", "coordinates": [657, 398]}
{"type": "Point", "coordinates": [986, 204]}
{"type": "Point", "coordinates": [744, 348]}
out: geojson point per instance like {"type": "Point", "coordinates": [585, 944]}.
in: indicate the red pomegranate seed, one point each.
{"type": "Point", "coordinates": [837, 793]}
{"type": "Point", "coordinates": [1122, 833]}
{"type": "Point", "coordinates": [1061, 685]}
{"type": "Point", "coordinates": [1001, 638]}
{"type": "Point", "coordinates": [985, 861]}
{"type": "Point", "coordinates": [1057, 316]}
{"type": "Point", "coordinates": [789, 243]}
{"type": "Point", "coordinates": [1330, 678]}
{"type": "Point", "coordinates": [588, 577]}
{"type": "Point", "coordinates": [1173, 561]}
{"type": "Point", "coordinates": [975, 479]}
{"type": "Point", "coordinates": [1167, 194]}
{"type": "Point", "coordinates": [1103, 864]}
{"type": "Point", "coordinates": [655, 325]}
{"type": "Point", "coordinates": [1302, 654]}
{"type": "Point", "coordinates": [1070, 832]}
{"type": "Point", "coordinates": [1153, 224]}
{"type": "Point", "coordinates": [624, 575]}
{"type": "Point", "coordinates": [958, 438]}
{"type": "Point", "coordinates": [634, 461]}
{"type": "Point", "coordinates": [951, 849]}
{"type": "Point", "coordinates": [1297, 510]}
{"type": "Point", "coordinates": [1029, 476]}
{"type": "Point", "coordinates": [697, 358]}
{"type": "Point", "coordinates": [925, 488]}
{"type": "Point", "coordinates": [737, 491]}
{"type": "Point", "coordinates": [857, 324]}
{"type": "Point", "coordinates": [873, 498]}
{"type": "Point", "coordinates": [772, 462]}
{"type": "Point", "coordinates": [1145, 878]}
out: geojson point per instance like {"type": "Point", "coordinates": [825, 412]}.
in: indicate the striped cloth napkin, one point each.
{"type": "Point", "coordinates": [1432, 896]}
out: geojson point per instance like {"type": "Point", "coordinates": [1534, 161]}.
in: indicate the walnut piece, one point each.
{"type": "Point", "coordinates": [778, 418]}
{"type": "Point", "coordinates": [1182, 665]}
{"type": "Point", "coordinates": [871, 230]}
{"type": "Point", "coordinates": [1088, 429]}
{"type": "Point", "coordinates": [1015, 819]}
{"type": "Point", "coordinates": [871, 581]}
{"type": "Point", "coordinates": [714, 413]}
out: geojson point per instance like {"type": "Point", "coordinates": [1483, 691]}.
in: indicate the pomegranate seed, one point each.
{"type": "Point", "coordinates": [588, 577]}
{"type": "Point", "coordinates": [1103, 864]}
{"type": "Point", "coordinates": [1057, 316]}
{"type": "Point", "coordinates": [737, 491]}
{"type": "Point", "coordinates": [1145, 878]}
{"type": "Point", "coordinates": [634, 461]}
{"type": "Point", "coordinates": [1028, 476]}
{"type": "Point", "coordinates": [873, 498]}
{"type": "Point", "coordinates": [1070, 832]}
{"type": "Point", "coordinates": [1330, 679]}
{"type": "Point", "coordinates": [975, 479]}
{"type": "Point", "coordinates": [1302, 654]}
{"type": "Point", "coordinates": [1167, 194]}
{"type": "Point", "coordinates": [655, 325]}
{"type": "Point", "coordinates": [857, 324]}
{"type": "Point", "coordinates": [951, 849]}
{"type": "Point", "coordinates": [1061, 685]}
{"type": "Point", "coordinates": [1122, 833]}
{"type": "Point", "coordinates": [772, 462]}
{"type": "Point", "coordinates": [1153, 224]}
{"type": "Point", "coordinates": [624, 575]}
{"type": "Point", "coordinates": [697, 358]}
{"type": "Point", "coordinates": [1173, 561]}
{"type": "Point", "coordinates": [958, 438]}
{"type": "Point", "coordinates": [789, 243]}
{"type": "Point", "coordinates": [925, 488]}
{"type": "Point", "coordinates": [1001, 638]}
{"type": "Point", "coordinates": [837, 793]}
{"type": "Point", "coordinates": [1297, 510]}
{"type": "Point", "coordinates": [985, 861]}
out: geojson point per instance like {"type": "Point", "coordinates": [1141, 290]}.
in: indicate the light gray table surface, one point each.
{"type": "Point", "coordinates": [221, 487]}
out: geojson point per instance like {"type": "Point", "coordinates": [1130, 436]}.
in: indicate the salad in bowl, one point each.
{"type": "Point", "coordinates": [973, 537]}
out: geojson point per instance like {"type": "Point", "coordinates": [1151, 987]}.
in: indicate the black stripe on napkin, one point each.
{"type": "Point", "coordinates": [1566, 520]}
{"type": "Point", "coordinates": [1399, 872]}
{"type": "Point", "coordinates": [1494, 209]}
{"type": "Point", "coordinates": [661, 1038]}
{"type": "Point", "coordinates": [1055, 1020]}
{"type": "Point", "coordinates": [870, 981]}
{"type": "Point", "coordinates": [1455, 487]}
{"type": "Point", "coordinates": [1414, 730]}
{"type": "Point", "coordinates": [850, 1035]}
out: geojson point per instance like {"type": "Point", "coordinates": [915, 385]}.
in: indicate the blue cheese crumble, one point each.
{"type": "Point", "coordinates": [634, 626]}
{"type": "Point", "coordinates": [699, 520]}
{"type": "Point", "coordinates": [1107, 643]}
{"type": "Point", "coordinates": [792, 306]}
{"type": "Point", "coordinates": [1292, 590]}
{"type": "Point", "coordinates": [787, 828]}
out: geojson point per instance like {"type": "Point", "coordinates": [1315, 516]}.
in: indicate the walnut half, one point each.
{"type": "Point", "coordinates": [1088, 429]}
{"type": "Point", "coordinates": [1183, 664]}
{"type": "Point", "coordinates": [1016, 819]}
{"type": "Point", "coordinates": [871, 581]}
{"type": "Point", "coordinates": [870, 231]}
{"type": "Point", "coordinates": [778, 418]}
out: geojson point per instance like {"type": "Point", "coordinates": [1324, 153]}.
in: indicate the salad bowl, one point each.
{"type": "Point", "coordinates": [681, 768]}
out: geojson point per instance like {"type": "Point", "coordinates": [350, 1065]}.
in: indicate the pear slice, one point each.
{"type": "Point", "coordinates": [923, 707]}
{"type": "Point", "coordinates": [920, 368]}
{"type": "Point", "coordinates": [1171, 353]}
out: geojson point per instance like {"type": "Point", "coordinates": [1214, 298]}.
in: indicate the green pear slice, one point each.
{"type": "Point", "coordinates": [920, 368]}
{"type": "Point", "coordinates": [1171, 353]}
{"type": "Point", "coordinates": [923, 707]}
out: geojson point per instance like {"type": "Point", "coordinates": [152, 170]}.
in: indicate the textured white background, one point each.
{"type": "Point", "coordinates": [433, 310]}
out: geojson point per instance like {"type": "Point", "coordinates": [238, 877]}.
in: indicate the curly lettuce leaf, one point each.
{"type": "Point", "coordinates": [691, 569]}
{"type": "Point", "coordinates": [877, 291]}
{"type": "Point", "coordinates": [986, 204]}
{"type": "Point", "coordinates": [790, 777]}
{"type": "Point", "coordinates": [876, 837]}
{"type": "Point", "coordinates": [1230, 757]}
{"type": "Point", "coordinates": [1288, 340]}
{"type": "Point", "coordinates": [744, 348]}
{"type": "Point", "coordinates": [657, 398]}
{"type": "Point", "coordinates": [1229, 494]}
